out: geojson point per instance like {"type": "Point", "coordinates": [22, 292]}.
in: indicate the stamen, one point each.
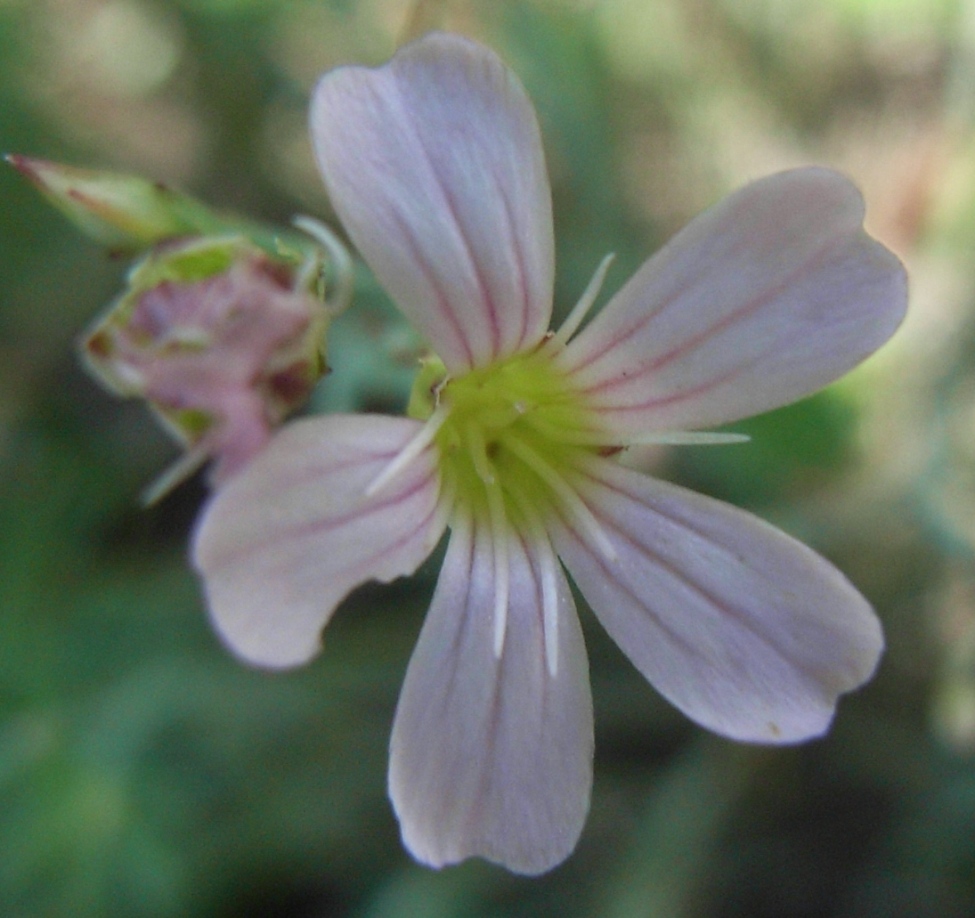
{"type": "Point", "coordinates": [593, 436]}
{"type": "Point", "coordinates": [175, 475]}
{"type": "Point", "coordinates": [413, 448]}
{"type": "Point", "coordinates": [571, 436]}
{"type": "Point", "coordinates": [686, 438]}
{"type": "Point", "coordinates": [550, 608]}
{"type": "Point", "coordinates": [572, 501]}
{"type": "Point", "coordinates": [499, 550]}
{"type": "Point", "coordinates": [574, 319]}
{"type": "Point", "coordinates": [340, 260]}
{"type": "Point", "coordinates": [446, 503]}
{"type": "Point", "coordinates": [547, 562]}
{"type": "Point", "coordinates": [478, 453]}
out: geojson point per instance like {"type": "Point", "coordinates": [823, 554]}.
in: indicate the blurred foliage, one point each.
{"type": "Point", "coordinates": [143, 772]}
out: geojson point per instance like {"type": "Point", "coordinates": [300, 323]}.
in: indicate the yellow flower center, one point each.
{"type": "Point", "coordinates": [513, 435]}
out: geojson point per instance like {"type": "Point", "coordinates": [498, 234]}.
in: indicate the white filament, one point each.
{"type": "Point", "coordinates": [586, 301]}
{"type": "Point", "coordinates": [591, 436]}
{"type": "Point", "coordinates": [478, 453]}
{"type": "Point", "coordinates": [340, 260]}
{"type": "Point", "coordinates": [175, 475]}
{"type": "Point", "coordinates": [686, 438]}
{"type": "Point", "coordinates": [567, 494]}
{"type": "Point", "coordinates": [547, 562]}
{"type": "Point", "coordinates": [443, 512]}
{"type": "Point", "coordinates": [550, 606]}
{"type": "Point", "coordinates": [499, 551]}
{"type": "Point", "coordinates": [408, 453]}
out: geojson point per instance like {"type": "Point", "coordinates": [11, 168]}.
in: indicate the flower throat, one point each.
{"type": "Point", "coordinates": [508, 434]}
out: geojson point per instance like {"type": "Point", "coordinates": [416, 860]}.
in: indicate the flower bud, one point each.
{"type": "Point", "coordinates": [221, 340]}
{"type": "Point", "coordinates": [123, 212]}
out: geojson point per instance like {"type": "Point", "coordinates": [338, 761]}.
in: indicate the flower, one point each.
{"type": "Point", "coordinates": [434, 164]}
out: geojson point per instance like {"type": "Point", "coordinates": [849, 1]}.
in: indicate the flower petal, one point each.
{"type": "Point", "coordinates": [285, 540]}
{"type": "Point", "coordinates": [492, 756]}
{"type": "Point", "coordinates": [434, 163]}
{"type": "Point", "coordinates": [763, 299]}
{"type": "Point", "coordinates": [749, 632]}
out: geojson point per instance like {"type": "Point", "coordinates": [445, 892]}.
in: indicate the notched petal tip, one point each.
{"type": "Point", "coordinates": [285, 540]}
{"type": "Point", "coordinates": [434, 163]}
{"type": "Point", "coordinates": [750, 633]}
{"type": "Point", "coordinates": [491, 756]}
{"type": "Point", "coordinates": [859, 644]}
{"type": "Point", "coordinates": [768, 296]}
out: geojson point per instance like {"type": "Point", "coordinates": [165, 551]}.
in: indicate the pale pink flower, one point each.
{"type": "Point", "coordinates": [434, 163]}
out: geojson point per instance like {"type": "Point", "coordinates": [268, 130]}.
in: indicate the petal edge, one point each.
{"type": "Point", "coordinates": [434, 163]}
{"type": "Point", "coordinates": [284, 541]}
{"type": "Point", "coordinates": [765, 298]}
{"type": "Point", "coordinates": [746, 630]}
{"type": "Point", "coordinates": [496, 762]}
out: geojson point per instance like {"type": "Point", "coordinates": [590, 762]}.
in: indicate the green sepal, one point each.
{"type": "Point", "coordinates": [128, 213]}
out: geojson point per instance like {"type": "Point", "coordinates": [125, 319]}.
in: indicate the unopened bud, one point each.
{"type": "Point", "coordinates": [221, 340]}
{"type": "Point", "coordinates": [123, 212]}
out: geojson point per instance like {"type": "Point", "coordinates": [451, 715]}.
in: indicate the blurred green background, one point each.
{"type": "Point", "coordinates": [143, 772]}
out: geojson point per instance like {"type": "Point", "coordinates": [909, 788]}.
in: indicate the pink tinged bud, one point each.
{"type": "Point", "coordinates": [221, 341]}
{"type": "Point", "coordinates": [117, 210]}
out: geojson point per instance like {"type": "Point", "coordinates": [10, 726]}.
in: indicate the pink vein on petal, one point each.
{"type": "Point", "coordinates": [321, 526]}
{"type": "Point", "coordinates": [748, 308]}
{"type": "Point", "coordinates": [657, 560]}
{"type": "Point", "coordinates": [364, 512]}
{"type": "Point", "coordinates": [611, 572]}
{"type": "Point", "coordinates": [519, 260]}
{"type": "Point", "coordinates": [451, 205]}
{"type": "Point", "coordinates": [386, 549]}
{"type": "Point", "coordinates": [284, 564]}
{"type": "Point", "coordinates": [486, 298]}
{"type": "Point", "coordinates": [458, 640]}
{"type": "Point", "coordinates": [642, 321]}
{"type": "Point", "coordinates": [314, 473]}
{"type": "Point", "coordinates": [676, 397]}
{"type": "Point", "coordinates": [443, 303]}
{"type": "Point", "coordinates": [488, 773]}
